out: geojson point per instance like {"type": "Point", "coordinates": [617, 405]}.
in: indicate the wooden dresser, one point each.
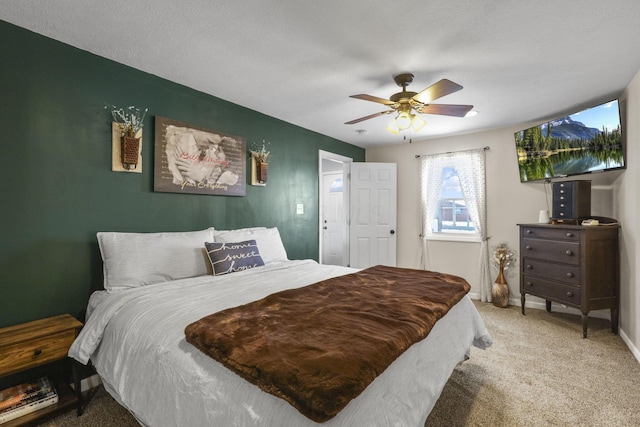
{"type": "Point", "coordinates": [574, 265]}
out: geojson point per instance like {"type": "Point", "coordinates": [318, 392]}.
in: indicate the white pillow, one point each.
{"type": "Point", "coordinates": [268, 240]}
{"type": "Point", "coordinates": [217, 233]}
{"type": "Point", "coordinates": [137, 259]}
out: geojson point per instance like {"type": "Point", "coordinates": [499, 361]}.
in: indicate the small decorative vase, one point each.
{"type": "Point", "coordinates": [261, 171]}
{"type": "Point", "coordinates": [129, 149]}
{"type": "Point", "coordinates": [500, 291]}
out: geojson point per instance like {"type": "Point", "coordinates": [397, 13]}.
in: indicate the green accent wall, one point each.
{"type": "Point", "coordinates": [58, 189]}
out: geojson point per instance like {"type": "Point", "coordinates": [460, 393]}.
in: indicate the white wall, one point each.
{"type": "Point", "coordinates": [627, 204]}
{"type": "Point", "coordinates": [509, 202]}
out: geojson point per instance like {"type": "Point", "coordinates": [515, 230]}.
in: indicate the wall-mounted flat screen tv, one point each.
{"type": "Point", "coordinates": [585, 142]}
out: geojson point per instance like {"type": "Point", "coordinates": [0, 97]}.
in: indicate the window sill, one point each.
{"type": "Point", "coordinates": [452, 237]}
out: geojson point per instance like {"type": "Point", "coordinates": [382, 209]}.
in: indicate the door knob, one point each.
{"type": "Point", "coordinates": [393, 232]}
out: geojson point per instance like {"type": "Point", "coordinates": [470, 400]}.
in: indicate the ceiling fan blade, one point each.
{"type": "Point", "coordinates": [445, 109]}
{"type": "Point", "coordinates": [373, 99]}
{"type": "Point", "coordinates": [437, 90]}
{"type": "Point", "coordinates": [362, 119]}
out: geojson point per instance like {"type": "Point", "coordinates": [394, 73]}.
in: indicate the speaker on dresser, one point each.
{"type": "Point", "coordinates": [571, 200]}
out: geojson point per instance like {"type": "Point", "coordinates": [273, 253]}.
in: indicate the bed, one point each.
{"type": "Point", "coordinates": [134, 335]}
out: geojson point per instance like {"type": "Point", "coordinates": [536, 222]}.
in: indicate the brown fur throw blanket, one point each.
{"type": "Point", "coordinates": [318, 347]}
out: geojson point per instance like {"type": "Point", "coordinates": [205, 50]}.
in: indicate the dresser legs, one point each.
{"type": "Point", "coordinates": [585, 317]}
{"type": "Point", "coordinates": [614, 320]}
{"type": "Point", "coordinates": [585, 321]}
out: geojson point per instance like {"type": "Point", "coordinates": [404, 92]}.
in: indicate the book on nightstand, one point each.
{"type": "Point", "coordinates": [25, 398]}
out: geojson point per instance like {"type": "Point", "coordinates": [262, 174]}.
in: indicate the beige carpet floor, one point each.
{"type": "Point", "coordinates": [539, 372]}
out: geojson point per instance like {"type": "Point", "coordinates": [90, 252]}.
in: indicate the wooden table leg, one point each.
{"type": "Point", "coordinates": [585, 320]}
{"type": "Point", "coordinates": [77, 385]}
{"type": "Point", "coordinates": [548, 305]}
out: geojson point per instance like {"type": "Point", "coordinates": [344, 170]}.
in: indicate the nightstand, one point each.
{"type": "Point", "coordinates": [32, 344]}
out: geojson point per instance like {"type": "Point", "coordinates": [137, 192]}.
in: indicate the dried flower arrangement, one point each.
{"type": "Point", "coordinates": [261, 155]}
{"type": "Point", "coordinates": [503, 257]}
{"type": "Point", "coordinates": [129, 120]}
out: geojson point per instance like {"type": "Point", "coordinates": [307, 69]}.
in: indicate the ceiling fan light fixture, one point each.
{"type": "Point", "coordinates": [417, 123]}
{"type": "Point", "coordinates": [408, 104]}
{"type": "Point", "coordinates": [393, 127]}
{"type": "Point", "coordinates": [404, 120]}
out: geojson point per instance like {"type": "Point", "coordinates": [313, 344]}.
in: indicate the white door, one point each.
{"type": "Point", "coordinates": [372, 224]}
{"type": "Point", "coordinates": [333, 220]}
{"type": "Point", "coordinates": [332, 163]}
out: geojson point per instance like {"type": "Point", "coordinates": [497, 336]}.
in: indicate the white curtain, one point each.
{"type": "Point", "coordinates": [470, 166]}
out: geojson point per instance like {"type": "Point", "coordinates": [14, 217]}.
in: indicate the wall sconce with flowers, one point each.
{"type": "Point", "coordinates": [259, 165]}
{"type": "Point", "coordinates": [126, 138]}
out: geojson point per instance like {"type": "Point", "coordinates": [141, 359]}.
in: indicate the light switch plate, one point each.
{"type": "Point", "coordinates": [299, 209]}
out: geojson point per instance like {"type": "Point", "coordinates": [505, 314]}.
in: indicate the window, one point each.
{"type": "Point", "coordinates": [452, 215]}
{"type": "Point", "coordinates": [453, 205]}
{"type": "Point", "coordinates": [452, 195]}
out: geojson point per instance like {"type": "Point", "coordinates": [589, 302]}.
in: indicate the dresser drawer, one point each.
{"type": "Point", "coordinates": [35, 352]}
{"type": "Point", "coordinates": [550, 233]}
{"type": "Point", "coordinates": [551, 290]}
{"type": "Point", "coordinates": [563, 211]}
{"type": "Point", "coordinates": [563, 198]}
{"type": "Point", "coordinates": [557, 251]}
{"type": "Point", "coordinates": [565, 273]}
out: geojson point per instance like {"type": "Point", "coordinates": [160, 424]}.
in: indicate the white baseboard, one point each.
{"type": "Point", "coordinates": [91, 382]}
{"type": "Point", "coordinates": [627, 341]}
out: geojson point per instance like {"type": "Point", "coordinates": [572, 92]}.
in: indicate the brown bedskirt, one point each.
{"type": "Point", "coordinates": [318, 347]}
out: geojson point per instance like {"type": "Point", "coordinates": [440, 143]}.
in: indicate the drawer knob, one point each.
{"type": "Point", "coordinates": [561, 213]}
{"type": "Point", "coordinates": [569, 253]}
{"type": "Point", "coordinates": [528, 247]}
{"type": "Point", "coordinates": [529, 231]}
{"type": "Point", "coordinates": [569, 294]}
{"type": "Point", "coordinates": [569, 234]}
{"type": "Point", "coordinates": [529, 267]}
{"type": "Point", "coordinates": [569, 275]}
{"type": "Point", "coordinates": [37, 352]}
{"type": "Point", "coordinates": [529, 284]}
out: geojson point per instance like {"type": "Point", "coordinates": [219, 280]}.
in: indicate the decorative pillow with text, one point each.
{"type": "Point", "coordinates": [268, 240]}
{"type": "Point", "coordinates": [231, 257]}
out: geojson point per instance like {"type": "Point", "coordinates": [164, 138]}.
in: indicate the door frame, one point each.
{"type": "Point", "coordinates": [326, 155]}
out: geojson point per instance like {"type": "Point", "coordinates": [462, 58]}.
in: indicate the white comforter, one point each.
{"type": "Point", "coordinates": [136, 341]}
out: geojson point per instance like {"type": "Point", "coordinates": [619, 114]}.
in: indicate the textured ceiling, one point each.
{"type": "Point", "coordinates": [298, 61]}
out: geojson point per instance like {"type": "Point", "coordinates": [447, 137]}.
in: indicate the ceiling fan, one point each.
{"type": "Point", "coordinates": [406, 104]}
